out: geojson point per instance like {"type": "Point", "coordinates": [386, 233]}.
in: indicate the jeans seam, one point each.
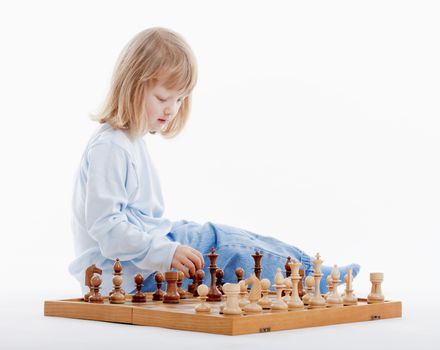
{"type": "Point", "coordinates": [252, 248]}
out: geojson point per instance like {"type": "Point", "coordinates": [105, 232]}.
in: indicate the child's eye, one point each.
{"type": "Point", "coordinates": [161, 99]}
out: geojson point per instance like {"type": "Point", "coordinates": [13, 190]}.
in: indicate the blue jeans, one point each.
{"type": "Point", "coordinates": [235, 247]}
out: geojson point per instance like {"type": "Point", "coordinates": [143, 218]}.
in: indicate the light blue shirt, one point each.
{"type": "Point", "coordinates": [117, 210]}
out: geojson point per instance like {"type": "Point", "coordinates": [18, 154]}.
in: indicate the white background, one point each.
{"type": "Point", "coordinates": [314, 122]}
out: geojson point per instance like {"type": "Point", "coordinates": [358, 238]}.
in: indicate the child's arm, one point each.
{"type": "Point", "coordinates": [110, 173]}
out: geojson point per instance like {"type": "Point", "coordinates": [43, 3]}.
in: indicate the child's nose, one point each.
{"type": "Point", "coordinates": [169, 112]}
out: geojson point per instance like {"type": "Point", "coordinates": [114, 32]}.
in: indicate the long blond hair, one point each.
{"type": "Point", "coordinates": [152, 55]}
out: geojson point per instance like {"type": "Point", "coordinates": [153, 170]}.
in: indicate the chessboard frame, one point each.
{"type": "Point", "coordinates": [183, 317]}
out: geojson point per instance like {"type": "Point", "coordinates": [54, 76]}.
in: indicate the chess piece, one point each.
{"type": "Point", "coordinates": [232, 307]}
{"type": "Point", "coordinates": [202, 291]}
{"type": "Point", "coordinates": [96, 296]}
{"type": "Point", "coordinates": [301, 291]}
{"type": "Point", "coordinates": [287, 272]}
{"type": "Point", "coordinates": [349, 298]}
{"type": "Point", "coordinates": [257, 259]}
{"type": "Point", "coordinates": [139, 297]}
{"type": "Point", "coordinates": [265, 302]}
{"type": "Point", "coordinates": [239, 272]}
{"type": "Point", "coordinates": [90, 271]}
{"type": "Point", "coordinates": [243, 294]}
{"type": "Point", "coordinates": [279, 279]}
{"type": "Point", "coordinates": [317, 301]}
{"type": "Point", "coordinates": [376, 295]}
{"type": "Point", "coordinates": [117, 297]}
{"type": "Point", "coordinates": [254, 295]}
{"type": "Point", "coordinates": [334, 299]}
{"type": "Point", "coordinates": [171, 296]}
{"type": "Point", "coordinates": [329, 286]}
{"type": "Point", "coordinates": [295, 302]}
{"type": "Point", "coordinates": [117, 271]}
{"type": "Point", "coordinates": [219, 283]}
{"type": "Point", "coordinates": [192, 287]}
{"type": "Point", "coordinates": [279, 303]}
{"type": "Point", "coordinates": [200, 275]}
{"type": "Point", "coordinates": [213, 294]}
{"type": "Point", "coordinates": [180, 277]}
{"type": "Point", "coordinates": [158, 294]}
{"type": "Point", "coordinates": [287, 267]}
{"type": "Point", "coordinates": [287, 290]}
{"type": "Point", "coordinates": [310, 282]}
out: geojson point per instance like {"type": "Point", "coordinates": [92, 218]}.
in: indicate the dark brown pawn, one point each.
{"type": "Point", "coordinates": [213, 294]}
{"type": "Point", "coordinates": [239, 272]}
{"type": "Point", "coordinates": [90, 271]}
{"type": "Point", "coordinates": [301, 291]}
{"type": "Point", "coordinates": [96, 297]}
{"type": "Point", "coordinates": [180, 290]}
{"type": "Point", "coordinates": [139, 297]}
{"type": "Point", "coordinates": [193, 284]}
{"type": "Point", "coordinates": [219, 275]}
{"type": "Point", "coordinates": [171, 295]}
{"type": "Point", "coordinates": [117, 297]}
{"type": "Point", "coordinates": [257, 259]}
{"type": "Point", "coordinates": [200, 275]}
{"type": "Point", "coordinates": [158, 294]}
{"type": "Point", "coordinates": [288, 272]}
{"type": "Point", "coordinates": [287, 267]}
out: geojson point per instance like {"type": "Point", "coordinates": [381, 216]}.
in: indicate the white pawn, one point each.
{"type": "Point", "coordinates": [243, 294]}
{"type": "Point", "coordinates": [334, 299]}
{"type": "Point", "coordinates": [231, 290]}
{"type": "Point", "coordinates": [265, 302]}
{"type": "Point", "coordinates": [287, 290]}
{"type": "Point", "coordinates": [329, 281]}
{"type": "Point", "coordinates": [310, 282]}
{"type": "Point", "coordinates": [279, 279]}
{"type": "Point", "coordinates": [349, 298]}
{"type": "Point", "coordinates": [279, 303]}
{"type": "Point", "coordinates": [203, 292]}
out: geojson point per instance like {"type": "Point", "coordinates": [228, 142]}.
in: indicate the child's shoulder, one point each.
{"type": "Point", "coordinates": [106, 135]}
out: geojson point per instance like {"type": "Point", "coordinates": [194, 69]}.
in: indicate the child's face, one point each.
{"type": "Point", "coordinates": [162, 105]}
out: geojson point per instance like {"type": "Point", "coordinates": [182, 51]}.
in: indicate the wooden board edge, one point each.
{"type": "Point", "coordinates": [183, 321]}
{"type": "Point", "coordinates": [288, 320]}
{"type": "Point", "coordinates": [86, 311]}
{"type": "Point", "coordinates": [228, 325]}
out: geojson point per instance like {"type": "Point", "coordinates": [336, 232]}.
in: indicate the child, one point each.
{"type": "Point", "coordinates": [117, 202]}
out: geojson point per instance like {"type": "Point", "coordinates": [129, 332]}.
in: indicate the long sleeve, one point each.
{"type": "Point", "coordinates": [110, 220]}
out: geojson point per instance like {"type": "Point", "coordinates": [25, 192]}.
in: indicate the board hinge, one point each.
{"type": "Point", "coordinates": [265, 330]}
{"type": "Point", "coordinates": [375, 317]}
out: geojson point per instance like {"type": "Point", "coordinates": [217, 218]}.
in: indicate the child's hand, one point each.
{"type": "Point", "coordinates": [187, 259]}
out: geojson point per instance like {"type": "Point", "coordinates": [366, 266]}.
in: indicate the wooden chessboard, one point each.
{"type": "Point", "coordinates": [182, 316]}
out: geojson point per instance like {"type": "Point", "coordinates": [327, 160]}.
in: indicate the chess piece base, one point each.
{"type": "Point", "coordinates": [97, 300]}
{"type": "Point", "coordinates": [252, 308]}
{"type": "Point", "coordinates": [139, 298]}
{"type": "Point", "coordinates": [279, 306]}
{"type": "Point", "coordinates": [203, 308]}
{"type": "Point", "coordinates": [172, 300]}
{"type": "Point", "coordinates": [117, 298]}
{"type": "Point", "coordinates": [374, 300]}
